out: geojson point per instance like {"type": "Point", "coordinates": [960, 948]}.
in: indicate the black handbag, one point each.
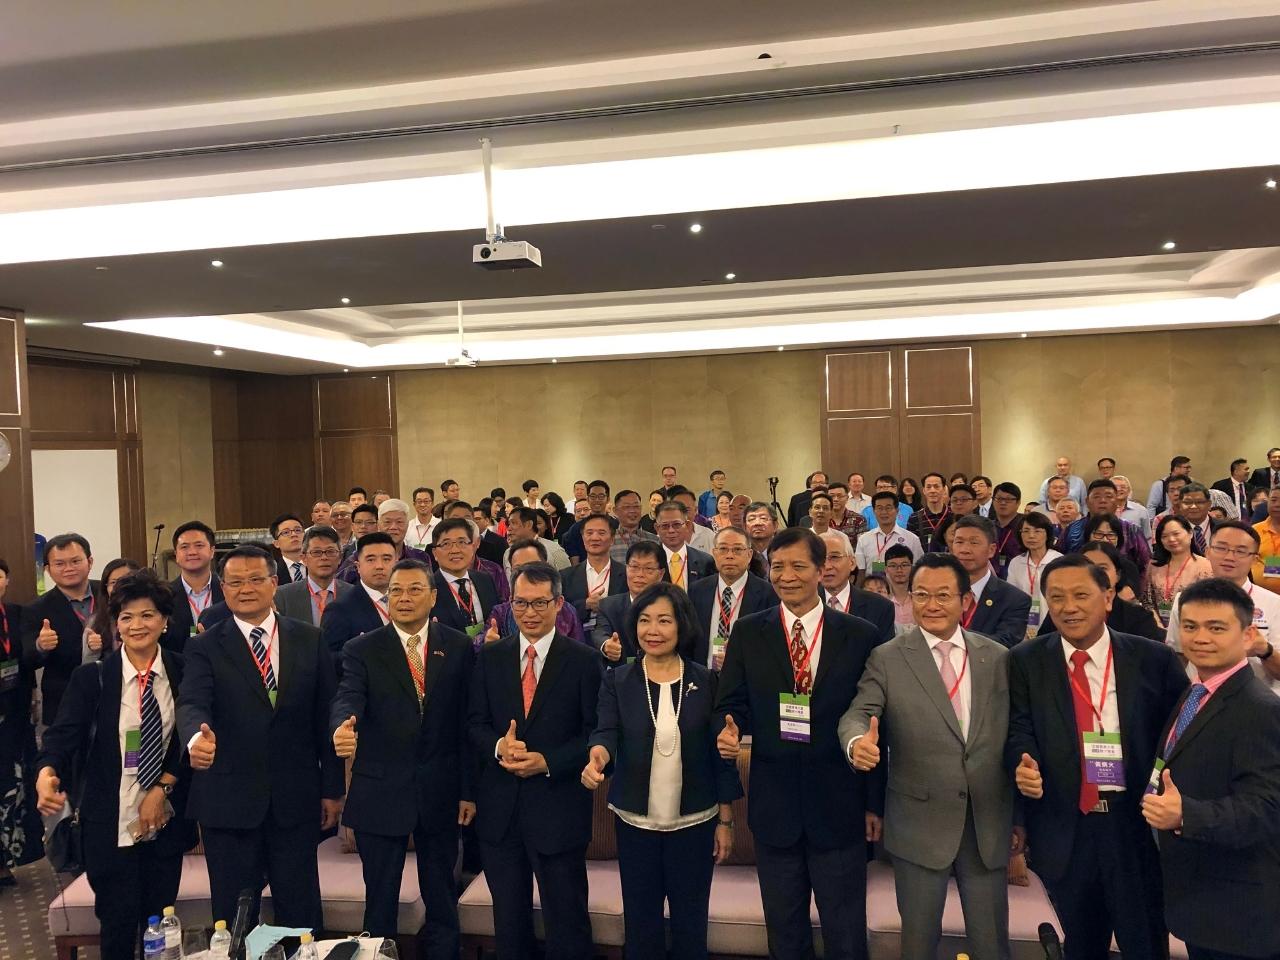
{"type": "Point", "coordinates": [64, 846]}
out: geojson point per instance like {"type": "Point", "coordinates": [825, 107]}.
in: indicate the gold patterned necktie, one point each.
{"type": "Point", "coordinates": [416, 669]}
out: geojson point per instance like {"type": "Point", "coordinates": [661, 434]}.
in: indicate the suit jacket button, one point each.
{"type": "Point", "coordinates": [963, 795]}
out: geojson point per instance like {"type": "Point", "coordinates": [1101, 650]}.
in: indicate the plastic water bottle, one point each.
{"type": "Point", "coordinates": [306, 948]}
{"type": "Point", "coordinates": [171, 926]}
{"type": "Point", "coordinates": [153, 940]}
{"type": "Point", "coordinates": [220, 942]}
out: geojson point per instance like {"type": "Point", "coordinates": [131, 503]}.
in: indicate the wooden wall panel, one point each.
{"type": "Point", "coordinates": [944, 442]}
{"type": "Point", "coordinates": [354, 403]}
{"type": "Point", "coordinates": [355, 433]}
{"type": "Point", "coordinates": [860, 443]}
{"type": "Point", "coordinates": [224, 424]}
{"type": "Point", "coordinates": [12, 348]}
{"type": "Point", "coordinates": [859, 381]}
{"type": "Point", "coordinates": [368, 461]}
{"type": "Point", "coordinates": [938, 377]}
{"type": "Point", "coordinates": [17, 510]}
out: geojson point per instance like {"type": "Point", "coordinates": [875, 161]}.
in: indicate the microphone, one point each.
{"type": "Point", "coordinates": [1049, 942]}
{"type": "Point", "coordinates": [240, 927]}
{"type": "Point", "coordinates": [158, 527]}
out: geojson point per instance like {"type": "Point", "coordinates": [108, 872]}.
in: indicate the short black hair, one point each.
{"type": "Point", "coordinates": [1034, 518]}
{"type": "Point", "coordinates": [413, 563]}
{"type": "Point", "coordinates": [1237, 525]}
{"type": "Point", "coordinates": [540, 572]}
{"type": "Point", "coordinates": [820, 495]}
{"type": "Point", "coordinates": [450, 525]}
{"type": "Point", "coordinates": [4, 567]}
{"type": "Point", "coordinates": [582, 524]}
{"type": "Point", "coordinates": [1096, 520]}
{"type": "Point", "coordinates": [800, 536]}
{"type": "Point", "coordinates": [670, 504]}
{"type": "Point", "coordinates": [1102, 483]}
{"type": "Point", "coordinates": [1219, 590]}
{"type": "Point", "coordinates": [251, 551]}
{"type": "Point", "coordinates": [838, 485]}
{"type": "Point", "coordinates": [899, 551]}
{"type": "Point", "coordinates": [320, 531]}
{"type": "Point", "coordinates": [884, 495]}
{"type": "Point", "coordinates": [1110, 460]}
{"type": "Point", "coordinates": [963, 488]}
{"type": "Point", "coordinates": [458, 504]}
{"type": "Point", "coordinates": [524, 515]}
{"type": "Point", "coordinates": [64, 540]}
{"type": "Point", "coordinates": [193, 525]}
{"type": "Point", "coordinates": [447, 483]}
{"type": "Point", "coordinates": [617, 497]}
{"type": "Point", "coordinates": [530, 485]}
{"type": "Point", "coordinates": [716, 473]}
{"type": "Point", "coordinates": [1074, 560]}
{"type": "Point", "coordinates": [274, 529]}
{"type": "Point", "coordinates": [498, 492]}
{"type": "Point", "coordinates": [535, 545]}
{"type": "Point", "coordinates": [941, 561]}
{"type": "Point", "coordinates": [932, 473]}
{"type": "Point", "coordinates": [648, 548]}
{"type": "Point", "coordinates": [1126, 571]}
{"type": "Point", "coordinates": [372, 540]}
{"type": "Point", "coordinates": [599, 483]}
{"type": "Point", "coordinates": [365, 508]}
{"type": "Point", "coordinates": [418, 490]}
{"type": "Point", "coordinates": [1236, 462]}
{"type": "Point", "coordinates": [680, 490]}
{"type": "Point", "coordinates": [133, 566]}
{"type": "Point", "coordinates": [1012, 489]}
{"type": "Point", "coordinates": [888, 478]}
{"type": "Point", "coordinates": [983, 477]}
{"type": "Point", "coordinates": [975, 521]}
{"type": "Point", "coordinates": [1178, 462]}
{"type": "Point", "coordinates": [556, 501]}
{"type": "Point", "coordinates": [142, 585]}
{"type": "Point", "coordinates": [360, 490]}
{"type": "Point", "coordinates": [688, 627]}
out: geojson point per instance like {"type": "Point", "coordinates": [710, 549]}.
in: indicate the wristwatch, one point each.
{"type": "Point", "coordinates": [167, 788]}
{"type": "Point", "coordinates": [1270, 650]}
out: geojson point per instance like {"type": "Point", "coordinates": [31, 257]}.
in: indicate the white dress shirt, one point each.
{"type": "Point", "coordinates": [476, 611]}
{"type": "Point", "coordinates": [841, 599]}
{"type": "Point", "coordinates": [857, 504]}
{"type": "Point", "coordinates": [379, 601]}
{"type": "Point", "coordinates": [810, 623]}
{"type": "Point", "coordinates": [598, 582]}
{"type": "Point", "coordinates": [418, 534]}
{"type": "Point", "coordinates": [131, 719]}
{"type": "Point", "coordinates": [270, 639]}
{"type": "Point", "coordinates": [1095, 667]}
{"type": "Point", "coordinates": [422, 640]}
{"type": "Point", "coordinates": [684, 564]}
{"type": "Point", "coordinates": [977, 586]}
{"type": "Point", "coordinates": [873, 544]}
{"type": "Point", "coordinates": [543, 646]}
{"type": "Point", "coordinates": [959, 656]}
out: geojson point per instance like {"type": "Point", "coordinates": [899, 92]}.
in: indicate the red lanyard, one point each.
{"type": "Point", "coordinates": [469, 606]}
{"type": "Point", "coordinates": [263, 667]}
{"type": "Point", "coordinates": [1033, 568]}
{"type": "Point", "coordinates": [603, 585]}
{"type": "Point", "coordinates": [968, 617]}
{"type": "Point", "coordinates": [4, 618]}
{"type": "Point", "coordinates": [941, 517]}
{"type": "Point", "coordinates": [320, 598]}
{"type": "Point", "coordinates": [1003, 540]}
{"type": "Point", "coordinates": [733, 611]}
{"type": "Point", "coordinates": [92, 603]}
{"type": "Point", "coordinates": [964, 666]}
{"type": "Point", "coordinates": [208, 598]}
{"type": "Point", "coordinates": [144, 678]}
{"type": "Point", "coordinates": [880, 547]}
{"type": "Point", "coordinates": [1168, 597]}
{"type": "Point", "coordinates": [1102, 702]}
{"type": "Point", "coordinates": [808, 654]}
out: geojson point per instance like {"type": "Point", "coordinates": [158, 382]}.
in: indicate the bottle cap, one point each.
{"type": "Point", "coordinates": [305, 938]}
{"type": "Point", "coordinates": [152, 921]}
{"type": "Point", "coordinates": [168, 911]}
{"type": "Point", "coordinates": [220, 925]}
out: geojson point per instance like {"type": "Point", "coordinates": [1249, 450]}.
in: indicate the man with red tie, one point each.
{"type": "Point", "coordinates": [532, 707]}
{"type": "Point", "coordinates": [1086, 709]}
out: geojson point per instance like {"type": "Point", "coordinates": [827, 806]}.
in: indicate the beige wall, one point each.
{"type": "Point", "coordinates": [752, 415]}
{"type": "Point", "coordinates": [1140, 398]}
{"type": "Point", "coordinates": [174, 421]}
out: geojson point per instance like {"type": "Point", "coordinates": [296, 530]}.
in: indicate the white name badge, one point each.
{"type": "Point", "coordinates": [793, 717]}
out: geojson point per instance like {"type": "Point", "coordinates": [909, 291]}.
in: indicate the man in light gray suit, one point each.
{"type": "Point", "coordinates": [938, 698]}
{"type": "Point", "coordinates": [306, 599]}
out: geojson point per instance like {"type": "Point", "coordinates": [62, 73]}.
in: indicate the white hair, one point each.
{"type": "Point", "coordinates": [391, 506]}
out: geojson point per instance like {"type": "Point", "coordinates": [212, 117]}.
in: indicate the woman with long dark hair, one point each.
{"type": "Point", "coordinates": [909, 493]}
{"type": "Point", "coordinates": [559, 519]}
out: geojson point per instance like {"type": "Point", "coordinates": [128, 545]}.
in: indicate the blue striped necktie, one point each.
{"type": "Point", "coordinates": [1188, 713]}
{"type": "Point", "coordinates": [151, 749]}
{"type": "Point", "coordinates": [263, 656]}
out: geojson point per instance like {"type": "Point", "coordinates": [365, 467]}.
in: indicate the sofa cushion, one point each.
{"type": "Point", "coordinates": [604, 905]}
{"type": "Point", "coordinates": [744, 846]}
{"type": "Point", "coordinates": [735, 916]}
{"type": "Point", "coordinates": [71, 912]}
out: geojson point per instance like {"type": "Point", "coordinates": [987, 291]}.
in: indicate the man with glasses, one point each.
{"type": "Point", "coordinates": [869, 553]}
{"type": "Point", "coordinates": [418, 533]}
{"type": "Point", "coordinates": [1194, 505]}
{"type": "Point", "coordinates": [340, 520]}
{"type": "Point", "coordinates": [53, 627]}
{"type": "Point", "coordinates": [762, 524]}
{"type": "Point", "coordinates": [839, 592]}
{"type": "Point", "coordinates": [845, 518]}
{"type": "Point", "coordinates": [1103, 500]}
{"type": "Point", "coordinates": [935, 698]}
{"type": "Point", "coordinates": [306, 599]}
{"type": "Point", "coordinates": [286, 534]}
{"type": "Point", "coordinates": [733, 593]}
{"type": "Point", "coordinates": [629, 512]}
{"type": "Point", "coordinates": [897, 568]}
{"type": "Point", "coordinates": [1005, 500]}
{"type": "Point", "coordinates": [962, 501]}
{"type": "Point", "coordinates": [1075, 485]}
{"type": "Point", "coordinates": [1158, 498]}
{"type": "Point", "coordinates": [1232, 548]}
{"type": "Point", "coordinates": [983, 490]}
{"type": "Point", "coordinates": [254, 714]}
{"type": "Point", "coordinates": [684, 563]}
{"type": "Point", "coordinates": [613, 635]}
{"type": "Point", "coordinates": [532, 707]}
{"type": "Point", "coordinates": [697, 535]}
{"type": "Point", "coordinates": [463, 602]}
{"type": "Point", "coordinates": [522, 526]}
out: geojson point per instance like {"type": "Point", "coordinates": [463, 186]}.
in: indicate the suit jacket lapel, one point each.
{"type": "Point", "coordinates": [833, 643]}
{"type": "Point", "coordinates": [1127, 684]}
{"type": "Point", "coordinates": [1207, 712]}
{"type": "Point", "coordinates": [556, 658]}
{"type": "Point", "coordinates": [397, 663]}
{"type": "Point", "coordinates": [981, 683]}
{"type": "Point", "coordinates": [1055, 672]}
{"type": "Point", "coordinates": [289, 656]}
{"type": "Point", "coordinates": [780, 648]}
{"type": "Point", "coordinates": [433, 661]}
{"type": "Point", "coordinates": [920, 659]}
{"type": "Point", "coordinates": [237, 649]}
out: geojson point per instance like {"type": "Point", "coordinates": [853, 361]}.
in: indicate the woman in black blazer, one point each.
{"type": "Point", "coordinates": [1125, 616]}
{"type": "Point", "coordinates": [671, 792]}
{"type": "Point", "coordinates": [124, 708]}
{"type": "Point", "coordinates": [20, 828]}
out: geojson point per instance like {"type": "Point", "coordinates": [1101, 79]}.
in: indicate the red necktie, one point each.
{"type": "Point", "coordinates": [1084, 723]}
{"type": "Point", "coordinates": [804, 680]}
{"type": "Point", "coordinates": [529, 680]}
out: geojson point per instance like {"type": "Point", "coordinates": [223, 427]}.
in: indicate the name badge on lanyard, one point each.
{"type": "Point", "coordinates": [793, 717]}
{"type": "Point", "coordinates": [132, 747]}
{"type": "Point", "coordinates": [1103, 759]}
{"type": "Point", "coordinates": [1271, 566]}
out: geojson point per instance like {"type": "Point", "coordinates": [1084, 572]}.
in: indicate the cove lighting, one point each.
{"type": "Point", "coordinates": [1016, 154]}
{"type": "Point", "coordinates": [1168, 245]}
{"type": "Point", "coordinates": [345, 301]}
{"type": "Point", "coordinates": [216, 264]}
{"type": "Point", "coordinates": [730, 276]}
{"type": "Point", "coordinates": [218, 352]}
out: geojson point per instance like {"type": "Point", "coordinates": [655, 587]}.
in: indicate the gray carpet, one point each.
{"type": "Point", "coordinates": [24, 924]}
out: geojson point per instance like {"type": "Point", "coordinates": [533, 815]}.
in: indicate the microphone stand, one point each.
{"type": "Point", "coordinates": [773, 497]}
{"type": "Point", "coordinates": [155, 553]}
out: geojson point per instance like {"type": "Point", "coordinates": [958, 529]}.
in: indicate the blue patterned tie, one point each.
{"type": "Point", "coordinates": [1188, 713]}
{"type": "Point", "coordinates": [263, 656]}
{"type": "Point", "coordinates": [151, 749]}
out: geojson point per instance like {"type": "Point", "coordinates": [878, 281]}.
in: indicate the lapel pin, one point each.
{"type": "Point", "coordinates": [437, 653]}
{"type": "Point", "coordinates": [691, 687]}
{"type": "Point", "coordinates": [990, 603]}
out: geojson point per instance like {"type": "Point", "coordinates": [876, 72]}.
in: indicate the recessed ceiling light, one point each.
{"type": "Point", "coordinates": [215, 263]}
{"type": "Point", "coordinates": [695, 228]}
{"type": "Point", "coordinates": [217, 351]}
{"type": "Point", "coordinates": [1270, 184]}
{"type": "Point", "coordinates": [780, 349]}
{"type": "Point", "coordinates": [345, 301]}
{"type": "Point", "coordinates": [730, 276]}
{"type": "Point", "coordinates": [554, 360]}
{"type": "Point", "coordinates": [102, 268]}
{"type": "Point", "coordinates": [1168, 245]}
{"type": "Point", "coordinates": [346, 370]}
{"type": "Point", "coordinates": [1023, 335]}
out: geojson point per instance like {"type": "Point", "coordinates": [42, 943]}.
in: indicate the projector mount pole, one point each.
{"type": "Point", "coordinates": [494, 232]}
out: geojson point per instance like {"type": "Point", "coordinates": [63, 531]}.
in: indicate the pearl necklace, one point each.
{"type": "Point", "coordinates": [653, 714]}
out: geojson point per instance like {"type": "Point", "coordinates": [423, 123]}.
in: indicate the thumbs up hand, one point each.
{"type": "Point", "coordinates": [344, 738]}
{"type": "Point", "coordinates": [729, 741]}
{"type": "Point", "coordinates": [94, 640]}
{"type": "Point", "coordinates": [593, 772]}
{"type": "Point", "coordinates": [50, 797]}
{"type": "Point", "coordinates": [203, 748]}
{"type": "Point", "coordinates": [1163, 810]}
{"type": "Point", "coordinates": [612, 648]}
{"type": "Point", "coordinates": [492, 633]}
{"type": "Point", "coordinates": [47, 638]}
{"type": "Point", "coordinates": [1027, 777]}
{"type": "Point", "coordinates": [865, 752]}
{"type": "Point", "coordinates": [509, 748]}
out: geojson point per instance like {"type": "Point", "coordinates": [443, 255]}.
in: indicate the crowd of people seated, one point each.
{"type": "Point", "coordinates": [945, 670]}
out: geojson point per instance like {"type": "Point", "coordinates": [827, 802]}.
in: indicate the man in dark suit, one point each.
{"type": "Point", "coordinates": [492, 546]}
{"type": "Point", "coordinates": [307, 598]}
{"type": "Point", "coordinates": [1194, 504]}
{"type": "Point", "coordinates": [839, 592]}
{"type": "Point", "coordinates": [685, 564]}
{"type": "Point", "coordinates": [612, 635]}
{"type": "Point", "coordinates": [811, 813]}
{"type": "Point", "coordinates": [254, 714]}
{"type": "Point", "coordinates": [999, 611]}
{"type": "Point", "coordinates": [197, 588]}
{"type": "Point", "coordinates": [401, 712]}
{"type": "Point", "coordinates": [1269, 476]}
{"type": "Point", "coordinates": [598, 576]}
{"type": "Point", "coordinates": [53, 627]}
{"type": "Point", "coordinates": [1237, 487]}
{"type": "Point", "coordinates": [1088, 841]}
{"type": "Point", "coordinates": [721, 601]}
{"type": "Point", "coordinates": [364, 607]}
{"type": "Point", "coordinates": [1215, 792]}
{"type": "Point", "coordinates": [798, 508]}
{"type": "Point", "coordinates": [286, 534]}
{"type": "Point", "coordinates": [532, 708]}
{"type": "Point", "coordinates": [463, 602]}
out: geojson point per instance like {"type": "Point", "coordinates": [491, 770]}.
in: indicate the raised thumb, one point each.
{"type": "Point", "coordinates": [729, 724]}
{"type": "Point", "coordinates": [46, 625]}
{"type": "Point", "coordinates": [511, 731]}
{"type": "Point", "coordinates": [349, 723]}
{"type": "Point", "coordinates": [205, 731]}
{"type": "Point", "coordinates": [493, 623]}
{"type": "Point", "coordinates": [873, 734]}
{"type": "Point", "coordinates": [1167, 777]}
{"type": "Point", "coordinates": [1028, 762]}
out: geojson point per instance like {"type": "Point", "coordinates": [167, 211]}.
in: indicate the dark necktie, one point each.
{"type": "Point", "coordinates": [464, 600]}
{"type": "Point", "coordinates": [1188, 713]}
{"type": "Point", "coordinates": [263, 656]}
{"type": "Point", "coordinates": [1197, 536]}
{"type": "Point", "coordinates": [151, 750]}
{"type": "Point", "coordinates": [726, 611]}
{"type": "Point", "coordinates": [1084, 724]}
{"type": "Point", "coordinates": [297, 572]}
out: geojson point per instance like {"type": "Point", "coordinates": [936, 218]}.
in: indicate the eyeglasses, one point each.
{"type": "Point", "coordinates": [1109, 537]}
{"type": "Point", "coordinates": [288, 532]}
{"type": "Point", "coordinates": [1240, 553]}
{"type": "Point", "coordinates": [67, 564]}
{"type": "Point", "coordinates": [923, 597]}
{"type": "Point", "coordinates": [452, 544]}
{"type": "Point", "coordinates": [254, 582]}
{"type": "Point", "coordinates": [898, 565]}
{"type": "Point", "coordinates": [733, 551]}
{"type": "Point", "coordinates": [670, 525]}
{"type": "Point", "coordinates": [520, 605]}
{"type": "Point", "coordinates": [647, 568]}
{"type": "Point", "coordinates": [331, 554]}
{"type": "Point", "coordinates": [416, 591]}
{"type": "Point", "coordinates": [962, 499]}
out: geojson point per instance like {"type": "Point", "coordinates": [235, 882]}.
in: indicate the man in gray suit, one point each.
{"type": "Point", "coordinates": [306, 599]}
{"type": "Point", "coordinates": [938, 698]}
